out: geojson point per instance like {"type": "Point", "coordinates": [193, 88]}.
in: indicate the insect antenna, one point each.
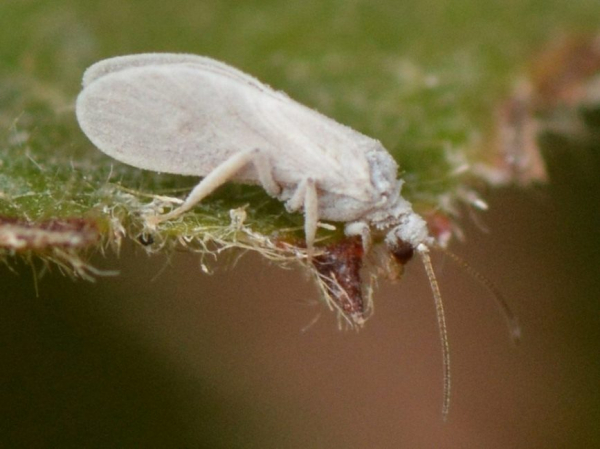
{"type": "Point", "coordinates": [514, 327]}
{"type": "Point", "coordinates": [423, 251]}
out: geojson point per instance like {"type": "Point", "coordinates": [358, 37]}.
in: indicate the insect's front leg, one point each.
{"type": "Point", "coordinates": [362, 229]}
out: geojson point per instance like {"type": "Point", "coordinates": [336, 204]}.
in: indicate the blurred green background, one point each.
{"type": "Point", "coordinates": [165, 356]}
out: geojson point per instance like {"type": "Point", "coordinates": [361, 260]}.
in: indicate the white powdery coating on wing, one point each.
{"type": "Point", "coordinates": [186, 114]}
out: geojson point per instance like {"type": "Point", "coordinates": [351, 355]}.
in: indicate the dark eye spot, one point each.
{"type": "Point", "coordinates": [402, 252]}
{"type": "Point", "coordinates": [146, 239]}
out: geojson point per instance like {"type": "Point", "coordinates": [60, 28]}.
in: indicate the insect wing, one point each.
{"type": "Point", "coordinates": [187, 114]}
{"type": "Point", "coordinates": [165, 118]}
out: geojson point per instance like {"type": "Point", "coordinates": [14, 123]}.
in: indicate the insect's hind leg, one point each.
{"type": "Point", "coordinates": [306, 195]}
{"type": "Point", "coordinates": [221, 175]}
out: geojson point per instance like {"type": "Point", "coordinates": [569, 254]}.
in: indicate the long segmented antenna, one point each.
{"type": "Point", "coordinates": [423, 251]}
{"type": "Point", "coordinates": [514, 327]}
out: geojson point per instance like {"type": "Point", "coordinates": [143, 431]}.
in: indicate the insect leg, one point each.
{"type": "Point", "coordinates": [221, 175]}
{"type": "Point", "coordinates": [265, 173]}
{"type": "Point", "coordinates": [311, 215]}
{"type": "Point", "coordinates": [306, 195]}
{"type": "Point", "coordinates": [361, 229]}
{"type": "Point", "coordinates": [297, 199]}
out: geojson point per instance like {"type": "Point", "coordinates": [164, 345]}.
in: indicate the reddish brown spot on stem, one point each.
{"type": "Point", "coordinates": [339, 267]}
{"type": "Point", "coordinates": [441, 227]}
{"type": "Point", "coordinates": [559, 74]}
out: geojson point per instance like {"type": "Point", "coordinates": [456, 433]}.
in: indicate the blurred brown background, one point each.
{"type": "Point", "coordinates": [166, 356]}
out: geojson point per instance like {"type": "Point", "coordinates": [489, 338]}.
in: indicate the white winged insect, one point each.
{"type": "Point", "coordinates": [192, 115]}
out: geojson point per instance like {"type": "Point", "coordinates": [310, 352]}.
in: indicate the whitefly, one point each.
{"type": "Point", "coordinates": [192, 115]}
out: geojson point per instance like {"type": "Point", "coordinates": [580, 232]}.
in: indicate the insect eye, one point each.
{"type": "Point", "coordinates": [402, 252]}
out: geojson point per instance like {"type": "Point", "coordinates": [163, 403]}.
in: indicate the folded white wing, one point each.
{"type": "Point", "coordinates": [187, 114]}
